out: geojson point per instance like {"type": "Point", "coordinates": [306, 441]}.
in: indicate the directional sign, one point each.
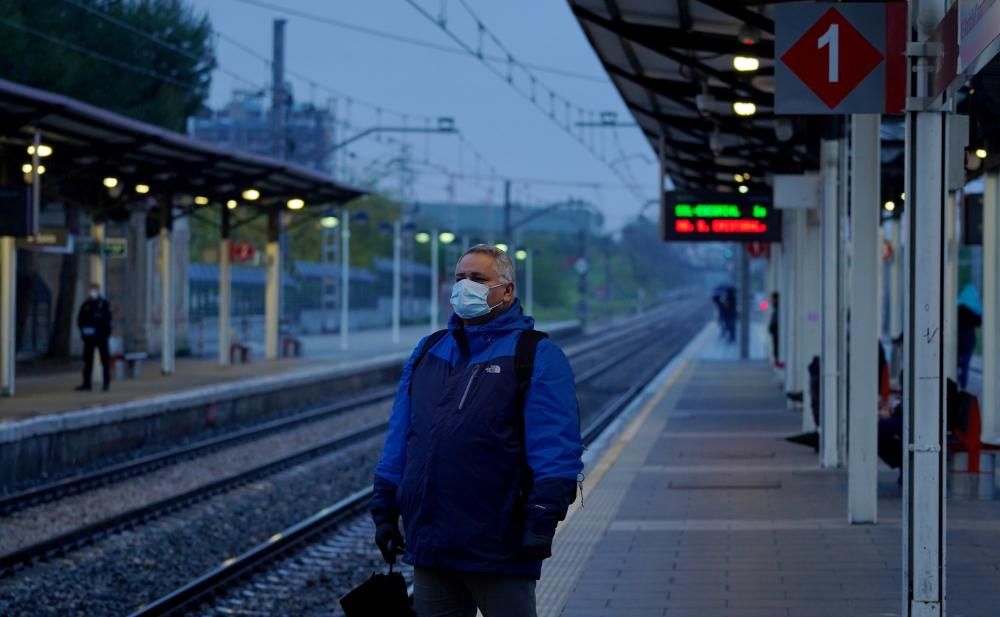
{"type": "Point", "coordinates": [840, 59]}
{"type": "Point", "coordinates": [701, 216]}
{"type": "Point", "coordinates": [114, 248]}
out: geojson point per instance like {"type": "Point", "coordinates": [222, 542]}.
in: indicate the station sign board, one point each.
{"type": "Point", "coordinates": [701, 216]}
{"type": "Point", "coordinates": [240, 251]}
{"type": "Point", "coordinates": [968, 38]}
{"type": "Point", "coordinates": [114, 248]}
{"type": "Point", "coordinates": [840, 59]}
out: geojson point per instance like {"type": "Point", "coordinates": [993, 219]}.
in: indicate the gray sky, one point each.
{"type": "Point", "coordinates": [507, 130]}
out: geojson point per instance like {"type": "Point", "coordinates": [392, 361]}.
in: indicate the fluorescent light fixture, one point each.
{"type": "Point", "coordinates": [43, 150]}
{"type": "Point", "coordinates": [889, 206]}
{"type": "Point", "coordinates": [521, 254]}
{"type": "Point", "coordinates": [446, 237]}
{"type": "Point", "coordinates": [142, 189]}
{"type": "Point", "coordinates": [502, 246]}
{"type": "Point", "coordinates": [231, 204]}
{"type": "Point", "coordinates": [744, 189]}
{"type": "Point", "coordinates": [746, 64]}
{"type": "Point", "coordinates": [251, 194]}
{"type": "Point", "coordinates": [110, 182]}
{"type": "Point", "coordinates": [329, 222]}
{"type": "Point", "coordinates": [296, 204]}
{"type": "Point", "coordinates": [201, 200]}
{"type": "Point", "coordinates": [744, 108]}
{"type": "Point", "coordinates": [980, 153]}
{"type": "Point", "coordinates": [422, 237]}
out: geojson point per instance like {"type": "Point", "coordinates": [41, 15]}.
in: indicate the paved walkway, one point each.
{"type": "Point", "coordinates": [701, 509]}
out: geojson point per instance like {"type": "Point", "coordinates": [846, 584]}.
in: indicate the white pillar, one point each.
{"type": "Point", "coordinates": [895, 280]}
{"type": "Point", "coordinates": [345, 279]}
{"type": "Point", "coordinates": [529, 283]}
{"type": "Point", "coordinates": [845, 298]}
{"type": "Point", "coordinates": [924, 523]}
{"type": "Point", "coordinates": [397, 245]}
{"type": "Point", "coordinates": [789, 303]}
{"type": "Point", "coordinates": [434, 280]}
{"type": "Point", "coordinates": [8, 312]}
{"type": "Point", "coordinates": [810, 297]}
{"type": "Point", "coordinates": [166, 297]}
{"type": "Point", "coordinates": [273, 290]}
{"type": "Point", "coordinates": [225, 294]}
{"type": "Point", "coordinates": [950, 283]}
{"type": "Point", "coordinates": [862, 462]}
{"type": "Point", "coordinates": [991, 308]}
{"type": "Point", "coordinates": [832, 339]}
{"type": "Point", "coordinates": [97, 262]}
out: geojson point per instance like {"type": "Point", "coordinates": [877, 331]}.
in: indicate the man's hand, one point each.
{"type": "Point", "coordinates": [536, 546]}
{"type": "Point", "coordinates": [389, 539]}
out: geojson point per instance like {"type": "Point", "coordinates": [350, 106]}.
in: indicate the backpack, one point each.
{"type": "Point", "coordinates": [524, 357]}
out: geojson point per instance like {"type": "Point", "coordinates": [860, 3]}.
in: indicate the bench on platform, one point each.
{"type": "Point", "coordinates": [128, 364]}
{"type": "Point", "coordinates": [965, 426]}
{"type": "Point", "coordinates": [239, 351]}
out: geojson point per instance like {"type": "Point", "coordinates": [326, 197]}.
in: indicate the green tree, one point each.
{"type": "Point", "coordinates": [148, 59]}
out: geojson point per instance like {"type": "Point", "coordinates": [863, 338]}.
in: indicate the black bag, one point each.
{"type": "Point", "coordinates": [382, 595]}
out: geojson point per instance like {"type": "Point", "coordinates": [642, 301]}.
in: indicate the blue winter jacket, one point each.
{"type": "Point", "coordinates": [467, 473]}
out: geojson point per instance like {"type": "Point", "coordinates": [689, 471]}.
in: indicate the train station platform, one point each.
{"type": "Point", "coordinates": [699, 507]}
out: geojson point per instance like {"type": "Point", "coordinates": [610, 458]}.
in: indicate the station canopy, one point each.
{"type": "Point", "coordinates": [672, 61]}
{"type": "Point", "coordinates": [90, 143]}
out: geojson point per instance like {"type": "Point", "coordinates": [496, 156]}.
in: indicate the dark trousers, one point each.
{"type": "Point", "coordinates": [101, 345]}
{"type": "Point", "coordinates": [963, 369]}
{"type": "Point", "coordinates": [447, 593]}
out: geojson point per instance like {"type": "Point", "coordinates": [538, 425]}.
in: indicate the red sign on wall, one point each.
{"type": "Point", "coordinates": [240, 251]}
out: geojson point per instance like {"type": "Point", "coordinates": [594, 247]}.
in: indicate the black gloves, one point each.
{"type": "Point", "coordinates": [389, 539]}
{"type": "Point", "coordinates": [536, 546]}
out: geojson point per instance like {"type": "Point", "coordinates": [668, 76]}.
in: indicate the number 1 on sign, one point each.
{"type": "Point", "coordinates": [831, 40]}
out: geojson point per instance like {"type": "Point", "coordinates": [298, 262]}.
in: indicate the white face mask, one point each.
{"type": "Point", "coordinates": [469, 299]}
{"type": "Point", "coordinates": [94, 294]}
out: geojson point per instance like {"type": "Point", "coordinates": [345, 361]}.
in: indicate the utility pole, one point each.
{"type": "Point", "coordinates": [506, 210]}
{"type": "Point", "coordinates": [276, 229]}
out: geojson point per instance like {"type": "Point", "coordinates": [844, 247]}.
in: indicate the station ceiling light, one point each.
{"type": "Point", "coordinates": [738, 177]}
{"type": "Point", "coordinates": [43, 150]}
{"type": "Point", "coordinates": [201, 200]}
{"type": "Point", "coordinates": [981, 153]}
{"type": "Point", "coordinates": [744, 108]}
{"type": "Point", "coordinates": [502, 246]}
{"type": "Point", "coordinates": [142, 189]}
{"type": "Point", "coordinates": [520, 254]}
{"type": "Point", "coordinates": [296, 204]}
{"type": "Point", "coordinates": [902, 196]}
{"type": "Point", "coordinates": [110, 182]}
{"type": "Point", "coordinates": [329, 222]}
{"type": "Point", "coordinates": [231, 204]}
{"type": "Point", "coordinates": [746, 176]}
{"type": "Point", "coordinates": [746, 64]}
{"type": "Point", "coordinates": [889, 206]}
{"type": "Point", "coordinates": [251, 194]}
{"type": "Point", "coordinates": [446, 237]}
{"type": "Point", "coordinates": [744, 189]}
{"type": "Point", "coordinates": [26, 168]}
{"type": "Point", "coordinates": [422, 237]}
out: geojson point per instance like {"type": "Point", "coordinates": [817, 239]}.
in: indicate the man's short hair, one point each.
{"type": "Point", "coordinates": [504, 266]}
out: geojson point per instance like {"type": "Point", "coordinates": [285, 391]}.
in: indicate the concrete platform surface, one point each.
{"type": "Point", "coordinates": [702, 509]}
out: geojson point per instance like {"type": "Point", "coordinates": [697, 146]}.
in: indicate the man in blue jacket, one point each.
{"type": "Point", "coordinates": [480, 472]}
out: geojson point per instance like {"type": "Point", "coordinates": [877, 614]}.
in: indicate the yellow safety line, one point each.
{"type": "Point", "coordinates": [609, 458]}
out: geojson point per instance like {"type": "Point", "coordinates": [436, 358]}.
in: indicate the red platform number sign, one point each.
{"type": "Point", "coordinates": [240, 252]}
{"type": "Point", "coordinates": [846, 58]}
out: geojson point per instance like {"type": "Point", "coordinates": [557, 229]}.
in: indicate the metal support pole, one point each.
{"type": "Point", "coordinates": [273, 290]}
{"type": "Point", "coordinates": [435, 283]}
{"type": "Point", "coordinates": [36, 184]}
{"type": "Point", "coordinates": [895, 280]}
{"type": "Point", "coordinates": [790, 303]}
{"type": "Point", "coordinates": [345, 279]}
{"type": "Point", "coordinates": [97, 262]}
{"type": "Point", "coordinates": [924, 475]}
{"type": "Point", "coordinates": [166, 288]}
{"type": "Point", "coordinates": [991, 307]}
{"type": "Point", "coordinates": [810, 296]}
{"type": "Point", "coordinates": [862, 461]}
{"type": "Point", "coordinates": [949, 324]}
{"type": "Point", "coordinates": [830, 385]}
{"type": "Point", "coordinates": [744, 301]}
{"type": "Point", "coordinates": [225, 287]}
{"type": "Point", "coordinates": [8, 311]}
{"type": "Point", "coordinates": [529, 283]}
{"type": "Point", "coordinates": [397, 247]}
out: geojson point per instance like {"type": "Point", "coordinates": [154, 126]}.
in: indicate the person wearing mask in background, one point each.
{"type": "Point", "coordinates": [94, 321]}
{"type": "Point", "coordinates": [482, 456]}
{"type": "Point", "coordinates": [772, 328]}
{"type": "Point", "coordinates": [970, 311]}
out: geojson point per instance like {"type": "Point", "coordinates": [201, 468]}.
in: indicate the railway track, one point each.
{"type": "Point", "coordinates": [610, 349]}
{"type": "Point", "coordinates": [325, 539]}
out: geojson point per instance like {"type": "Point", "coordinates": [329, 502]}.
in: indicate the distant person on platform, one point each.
{"type": "Point", "coordinates": [94, 321]}
{"type": "Point", "coordinates": [772, 328]}
{"type": "Point", "coordinates": [970, 311]}
{"type": "Point", "coordinates": [482, 454]}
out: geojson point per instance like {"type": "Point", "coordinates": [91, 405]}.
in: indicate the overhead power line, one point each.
{"type": "Point", "coordinates": [409, 40]}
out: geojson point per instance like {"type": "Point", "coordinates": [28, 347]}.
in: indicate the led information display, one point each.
{"type": "Point", "coordinates": [718, 217]}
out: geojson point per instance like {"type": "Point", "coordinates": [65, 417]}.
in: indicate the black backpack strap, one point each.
{"type": "Point", "coordinates": [524, 360]}
{"type": "Point", "coordinates": [429, 342]}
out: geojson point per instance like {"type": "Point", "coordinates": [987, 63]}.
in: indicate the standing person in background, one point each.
{"type": "Point", "coordinates": [94, 321]}
{"type": "Point", "coordinates": [772, 328]}
{"type": "Point", "coordinates": [970, 311]}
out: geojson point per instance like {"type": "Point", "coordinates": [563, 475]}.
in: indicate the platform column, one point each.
{"type": "Point", "coordinates": [809, 294]}
{"type": "Point", "coordinates": [8, 310]}
{"type": "Point", "coordinates": [397, 247]}
{"type": "Point", "coordinates": [98, 261]}
{"type": "Point", "coordinates": [991, 306]}
{"type": "Point", "coordinates": [345, 279]}
{"type": "Point", "coordinates": [435, 282]}
{"type": "Point", "coordinates": [862, 460]}
{"type": "Point", "coordinates": [895, 281]}
{"type": "Point", "coordinates": [950, 284]}
{"type": "Point", "coordinates": [166, 287]}
{"type": "Point", "coordinates": [789, 303]}
{"type": "Point", "coordinates": [832, 339]}
{"type": "Point", "coordinates": [225, 286]}
{"type": "Point", "coordinates": [923, 558]}
{"type": "Point", "coordinates": [273, 290]}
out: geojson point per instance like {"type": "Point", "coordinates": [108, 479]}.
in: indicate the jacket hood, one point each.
{"type": "Point", "coordinates": [513, 318]}
{"type": "Point", "coordinates": [969, 298]}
